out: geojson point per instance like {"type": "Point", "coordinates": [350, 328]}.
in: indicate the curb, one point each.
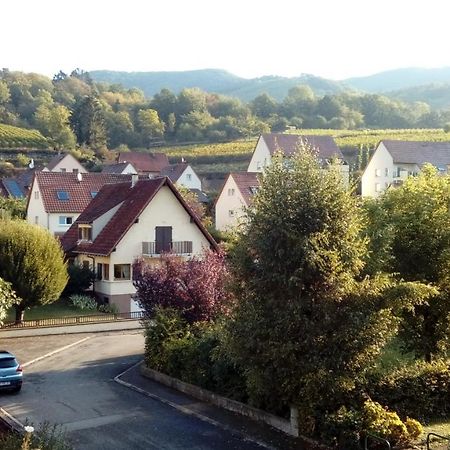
{"type": "Point", "coordinates": [188, 411]}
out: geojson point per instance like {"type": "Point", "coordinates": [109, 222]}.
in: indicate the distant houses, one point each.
{"type": "Point", "coordinates": [149, 164]}
{"type": "Point", "coordinates": [125, 221]}
{"type": "Point", "coordinates": [239, 188]}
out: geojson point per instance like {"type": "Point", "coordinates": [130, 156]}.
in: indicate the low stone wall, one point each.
{"type": "Point", "coordinates": [287, 426]}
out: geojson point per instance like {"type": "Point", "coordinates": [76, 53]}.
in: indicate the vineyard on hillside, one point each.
{"type": "Point", "coordinates": [14, 137]}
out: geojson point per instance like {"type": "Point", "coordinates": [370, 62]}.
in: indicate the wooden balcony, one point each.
{"type": "Point", "coordinates": [174, 247]}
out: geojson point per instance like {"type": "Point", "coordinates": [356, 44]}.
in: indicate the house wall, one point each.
{"type": "Point", "coordinates": [375, 179]}
{"type": "Point", "coordinates": [164, 210]}
{"type": "Point", "coordinates": [129, 169]}
{"type": "Point", "coordinates": [69, 163]}
{"type": "Point", "coordinates": [230, 199]}
{"type": "Point", "coordinates": [193, 183]}
{"type": "Point", "coordinates": [35, 209]}
{"type": "Point", "coordinates": [261, 157]}
{"type": "Point", "coordinates": [53, 222]}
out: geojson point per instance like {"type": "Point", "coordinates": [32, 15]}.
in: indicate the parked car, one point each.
{"type": "Point", "coordinates": [10, 372]}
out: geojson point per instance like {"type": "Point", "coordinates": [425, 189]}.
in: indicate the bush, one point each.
{"type": "Point", "coordinates": [80, 279]}
{"type": "Point", "coordinates": [83, 302]}
{"type": "Point", "coordinates": [421, 390]}
{"type": "Point", "coordinates": [109, 309]}
{"type": "Point", "coordinates": [47, 437]}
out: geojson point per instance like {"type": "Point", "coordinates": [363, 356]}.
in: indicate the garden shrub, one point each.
{"type": "Point", "coordinates": [80, 279]}
{"type": "Point", "coordinates": [83, 302]}
{"type": "Point", "coordinates": [109, 309]}
{"type": "Point", "coordinates": [421, 390]}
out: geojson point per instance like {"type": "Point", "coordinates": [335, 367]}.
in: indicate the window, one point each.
{"type": "Point", "coordinates": [85, 233]}
{"type": "Point", "coordinates": [258, 165]}
{"type": "Point", "coordinates": [163, 238]}
{"type": "Point", "coordinates": [386, 172]}
{"type": "Point", "coordinates": [65, 220]}
{"type": "Point", "coordinates": [36, 195]}
{"type": "Point", "coordinates": [253, 189]}
{"type": "Point", "coordinates": [122, 271]}
{"type": "Point", "coordinates": [231, 213]}
{"type": "Point", "coordinates": [36, 220]}
{"type": "Point", "coordinates": [99, 273]}
{"type": "Point", "coordinates": [378, 172]}
{"type": "Point", "coordinates": [63, 169]}
{"type": "Point", "coordinates": [75, 170]}
{"type": "Point", "coordinates": [62, 195]}
{"type": "Point", "coordinates": [85, 264]}
{"type": "Point", "coordinates": [188, 176]}
{"type": "Point", "coordinates": [106, 271]}
{"type": "Point", "coordinates": [377, 187]}
{"type": "Point", "coordinates": [230, 192]}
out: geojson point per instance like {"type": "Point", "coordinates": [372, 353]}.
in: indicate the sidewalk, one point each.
{"type": "Point", "coordinates": [266, 436]}
{"type": "Point", "coordinates": [119, 325]}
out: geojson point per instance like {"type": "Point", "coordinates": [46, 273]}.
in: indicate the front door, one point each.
{"type": "Point", "coordinates": [163, 239]}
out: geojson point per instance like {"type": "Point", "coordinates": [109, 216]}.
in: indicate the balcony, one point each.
{"type": "Point", "coordinates": [154, 249]}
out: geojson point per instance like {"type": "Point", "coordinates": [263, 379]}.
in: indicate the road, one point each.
{"type": "Point", "coordinates": [75, 388]}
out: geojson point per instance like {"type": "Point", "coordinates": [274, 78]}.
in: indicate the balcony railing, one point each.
{"type": "Point", "coordinates": [175, 247]}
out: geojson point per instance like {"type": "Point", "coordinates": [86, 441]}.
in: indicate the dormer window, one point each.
{"type": "Point", "coordinates": [62, 195]}
{"type": "Point", "coordinates": [94, 193]}
{"type": "Point", "coordinates": [84, 232]}
{"type": "Point", "coordinates": [253, 189]}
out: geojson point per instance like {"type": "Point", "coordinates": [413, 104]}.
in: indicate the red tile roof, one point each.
{"type": "Point", "coordinates": [174, 171]}
{"type": "Point", "coordinates": [288, 143]}
{"type": "Point", "coordinates": [246, 182]}
{"type": "Point", "coordinates": [145, 162]}
{"type": "Point", "coordinates": [418, 152]}
{"type": "Point", "coordinates": [133, 201]}
{"type": "Point", "coordinates": [115, 168]}
{"type": "Point", "coordinates": [79, 192]}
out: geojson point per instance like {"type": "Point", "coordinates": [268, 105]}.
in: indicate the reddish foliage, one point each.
{"type": "Point", "coordinates": [196, 287]}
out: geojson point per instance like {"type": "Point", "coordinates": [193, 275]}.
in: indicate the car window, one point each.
{"type": "Point", "coordinates": [7, 362]}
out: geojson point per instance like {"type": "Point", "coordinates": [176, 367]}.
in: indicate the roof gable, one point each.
{"type": "Point", "coordinates": [174, 171]}
{"type": "Point", "coordinates": [144, 162]}
{"type": "Point", "coordinates": [61, 157]}
{"type": "Point", "coordinates": [419, 152]}
{"type": "Point", "coordinates": [288, 143]}
{"type": "Point", "coordinates": [134, 200]}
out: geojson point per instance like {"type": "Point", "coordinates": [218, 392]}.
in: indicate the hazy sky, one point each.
{"type": "Point", "coordinates": [330, 38]}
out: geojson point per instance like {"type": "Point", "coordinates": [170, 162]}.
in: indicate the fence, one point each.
{"type": "Point", "coordinates": [76, 320]}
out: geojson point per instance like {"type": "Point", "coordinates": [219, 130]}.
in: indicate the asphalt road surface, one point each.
{"type": "Point", "coordinates": [75, 388]}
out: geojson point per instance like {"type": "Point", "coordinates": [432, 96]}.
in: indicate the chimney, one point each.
{"type": "Point", "coordinates": [134, 179]}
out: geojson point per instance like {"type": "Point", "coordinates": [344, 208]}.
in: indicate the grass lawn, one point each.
{"type": "Point", "coordinates": [61, 308]}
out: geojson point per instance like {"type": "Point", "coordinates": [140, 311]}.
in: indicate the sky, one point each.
{"type": "Point", "coordinates": [334, 39]}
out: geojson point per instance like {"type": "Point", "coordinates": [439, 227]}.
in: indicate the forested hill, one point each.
{"type": "Point", "coordinates": [216, 80]}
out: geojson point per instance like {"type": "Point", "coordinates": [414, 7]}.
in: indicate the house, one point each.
{"type": "Point", "coordinates": [64, 162]}
{"type": "Point", "coordinates": [56, 199]}
{"type": "Point", "coordinates": [235, 196]}
{"type": "Point", "coordinates": [125, 221]}
{"type": "Point", "coordinates": [270, 143]}
{"type": "Point", "coordinates": [123, 168]}
{"type": "Point", "coordinates": [393, 161]}
{"type": "Point", "coordinates": [149, 164]}
{"type": "Point", "coordinates": [182, 174]}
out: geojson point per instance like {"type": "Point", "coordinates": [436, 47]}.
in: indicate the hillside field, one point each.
{"type": "Point", "coordinates": [13, 137]}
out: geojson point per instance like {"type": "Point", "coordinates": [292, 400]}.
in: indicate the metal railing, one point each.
{"type": "Point", "coordinates": [176, 247]}
{"type": "Point", "coordinates": [373, 437]}
{"type": "Point", "coordinates": [75, 320]}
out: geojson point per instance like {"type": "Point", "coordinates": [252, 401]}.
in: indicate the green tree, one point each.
{"type": "Point", "coordinates": [150, 125]}
{"type": "Point", "coordinates": [409, 228]}
{"type": "Point", "coordinates": [32, 260]}
{"type": "Point", "coordinates": [53, 121]}
{"type": "Point", "coordinates": [264, 106]}
{"type": "Point", "coordinates": [305, 330]}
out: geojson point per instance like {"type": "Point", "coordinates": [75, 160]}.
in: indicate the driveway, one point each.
{"type": "Point", "coordinates": [76, 388]}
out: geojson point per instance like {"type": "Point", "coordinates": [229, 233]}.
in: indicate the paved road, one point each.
{"type": "Point", "coordinates": [76, 389]}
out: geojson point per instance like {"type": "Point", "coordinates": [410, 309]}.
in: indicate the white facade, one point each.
{"type": "Point", "coordinates": [230, 206]}
{"type": "Point", "coordinates": [163, 210]}
{"type": "Point", "coordinates": [382, 171]}
{"type": "Point", "coordinates": [56, 223]}
{"type": "Point", "coordinates": [67, 164]}
{"type": "Point", "coordinates": [261, 157]}
{"type": "Point", "coordinates": [189, 179]}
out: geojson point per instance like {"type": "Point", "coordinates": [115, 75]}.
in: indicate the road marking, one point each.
{"type": "Point", "coordinates": [188, 411]}
{"type": "Point", "coordinates": [15, 422]}
{"type": "Point", "coordinates": [54, 352]}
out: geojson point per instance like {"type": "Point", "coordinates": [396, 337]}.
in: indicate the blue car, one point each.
{"type": "Point", "coordinates": [10, 372]}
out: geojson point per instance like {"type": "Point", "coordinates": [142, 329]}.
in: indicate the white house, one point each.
{"type": "Point", "coordinates": [183, 175]}
{"type": "Point", "coordinates": [393, 161]}
{"type": "Point", "coordinates": [235, 196]}
{"type": "Point", "coordinates": [56, 199]}
{"type": "Point", "coordinates": [121, 168]}
{"type": "Point", "coordinates": [64, 162]}
{"type": "Point", "coordinates": [270, 143]}
{"type": "Point", "coordinates": [126, 221]}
